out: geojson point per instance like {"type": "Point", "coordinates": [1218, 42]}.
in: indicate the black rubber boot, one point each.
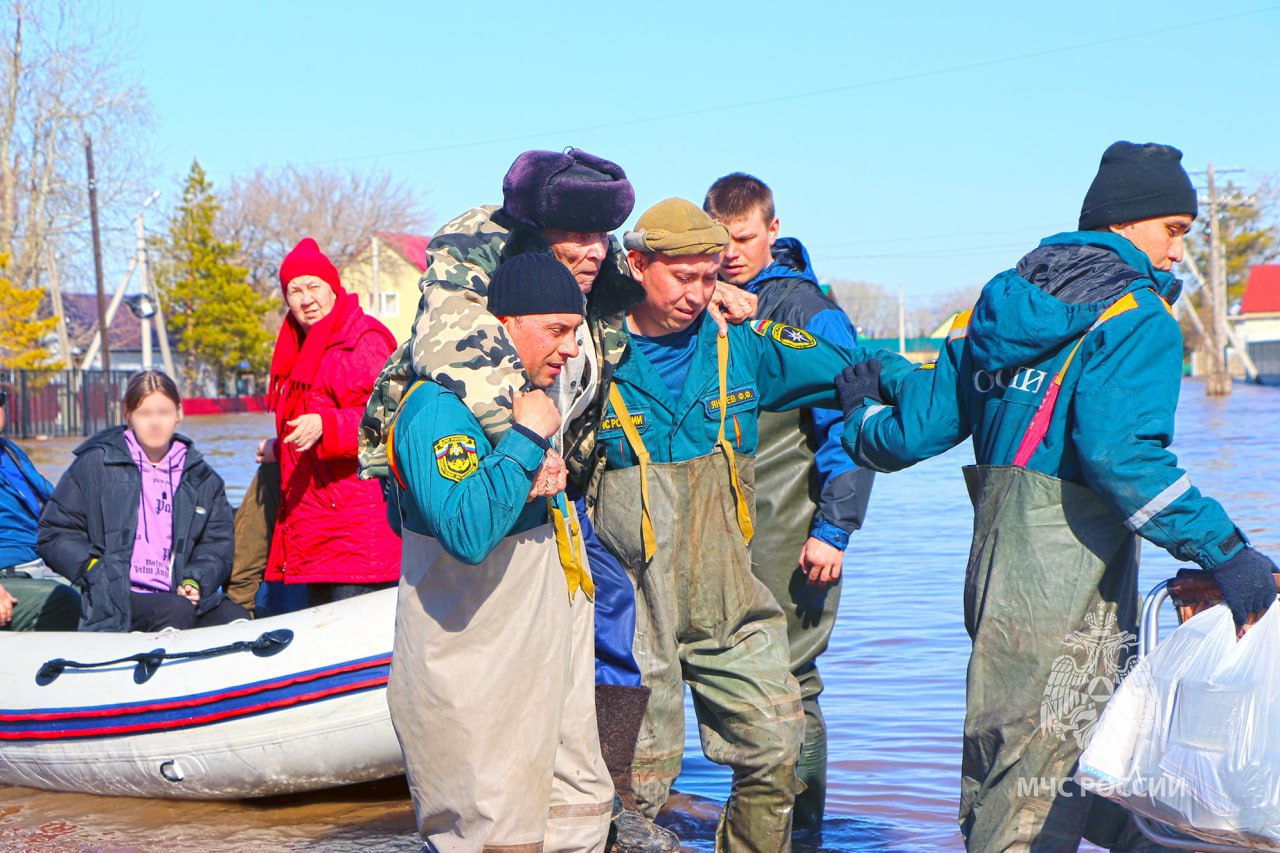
{"type": "Point", "coordinates": [619, 713]}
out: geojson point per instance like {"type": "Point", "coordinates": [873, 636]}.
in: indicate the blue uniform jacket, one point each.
{"type": "Point", "coordinates": [1113, 423]}
{"type": "Point", "coordinates": [461, 490]}
{"type": "Point", "coordinates": [17, 522]}
{"type": "Point", "coordinates": [772, 366]}
{"type": "Point", "coordinates": [789, 293]}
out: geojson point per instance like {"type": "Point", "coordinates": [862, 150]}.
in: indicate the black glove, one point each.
{"type": "Point", "coordinates": [1247, 584]}
{"type": "Point", "coordinates": [855, 384]}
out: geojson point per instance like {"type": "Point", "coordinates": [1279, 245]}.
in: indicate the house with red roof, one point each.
{"type": "Point", "coordinates": [385, 275]}
{"type": "Point", "coordinates": [124, 335]}
{"type": "Point", "coordinates": [1258, 321]}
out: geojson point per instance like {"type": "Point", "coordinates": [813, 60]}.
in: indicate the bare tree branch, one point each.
{"type": "Point", "coordinates": [60, 79]}
{"type": "Point", "coordinates": [268, 212]}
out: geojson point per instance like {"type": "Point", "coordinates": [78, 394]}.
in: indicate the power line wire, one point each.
{"type": "Point", "coordinates": [848, 87]}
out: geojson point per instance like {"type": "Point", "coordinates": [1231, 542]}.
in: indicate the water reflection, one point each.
{"type": "Point", "coordinates": [895, 672]}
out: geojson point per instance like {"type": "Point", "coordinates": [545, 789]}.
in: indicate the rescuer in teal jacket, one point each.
{"type": "Point", "coordinates": [1066, 376]}
{"type": "Point", "coordinates": [772, 367]}
{"type": "Point", "coordinates": [674, 502]}
{"type": "Point", "coordinates": [1122, 385]}
{"type": "Point", "coordinates": [492, 682]}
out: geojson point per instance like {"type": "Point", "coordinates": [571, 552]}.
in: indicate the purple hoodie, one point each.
{"type": "Point", "coordinates": [149, 568]}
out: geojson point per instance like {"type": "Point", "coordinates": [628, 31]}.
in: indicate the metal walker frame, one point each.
{"type": "Point", "coordinates": [1148, 638]}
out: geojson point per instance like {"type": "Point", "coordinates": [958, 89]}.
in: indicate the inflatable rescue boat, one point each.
{"type": "Point", "coordinates": [272, 706]}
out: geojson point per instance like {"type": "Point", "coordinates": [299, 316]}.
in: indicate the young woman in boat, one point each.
{"type": "Point", "coordinates": [140, 522]}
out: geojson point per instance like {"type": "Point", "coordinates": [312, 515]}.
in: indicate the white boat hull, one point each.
{"type": "Point", "coordinates": [312, 715]}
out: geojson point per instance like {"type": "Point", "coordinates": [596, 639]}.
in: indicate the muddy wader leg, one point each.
{"type": "Point", "coordinates": [581, 793]}
{"type": "Point", "coordinates": [659, 749]}
{"type": "Point", "coordinates": [811, 617]}
{"type": "Point", "coordinates": [811, 769]}
{"type": "Point", "coordinates": [1051, 604]}
{"type": "Point", "coordinates": [749, 718]}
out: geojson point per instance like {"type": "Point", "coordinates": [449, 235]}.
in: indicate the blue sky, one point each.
{"type": "Point", "coordinates": [916, 145]}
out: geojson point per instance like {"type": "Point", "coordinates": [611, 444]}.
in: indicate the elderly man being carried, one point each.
{"type": "Point", "coordinates": [561, 206]}
{"type": "Point", "coordinates": [492, 677]}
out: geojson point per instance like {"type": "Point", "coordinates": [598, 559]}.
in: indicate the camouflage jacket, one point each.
{"type": "Point", "coordinates": [459, 344]}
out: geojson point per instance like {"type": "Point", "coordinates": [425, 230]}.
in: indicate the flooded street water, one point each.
{"type": "Point", "coordinates": [895, 671]}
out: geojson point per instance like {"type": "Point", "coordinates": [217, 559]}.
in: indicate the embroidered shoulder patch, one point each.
{"type": "Point", "coordinates": [456, 457]}
{"type": "Point", "coordinates": [790, 336]}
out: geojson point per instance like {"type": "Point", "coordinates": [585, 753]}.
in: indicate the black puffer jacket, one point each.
{"type": "Point", "coordinates": [94, 514]}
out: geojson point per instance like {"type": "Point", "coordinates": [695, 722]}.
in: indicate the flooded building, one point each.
{"type": "Point", "coordinates": [1258, 322]}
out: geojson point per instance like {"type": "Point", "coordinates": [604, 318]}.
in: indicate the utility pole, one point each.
{"type": "Point", "coordinates": [1233, 335]}
{"type": "Point", "coordinates": [902, 322]}
{"type": "Point", "coordinates": [377, 285]}
{"type": "Point", "coordinates": [1217, 380]}
{"type": "Point", "coordinates": [97, 257]}
{"type": "Point", "coordinates": [148, 287]}
{"type": "Point", "coordinates": [55, 302]}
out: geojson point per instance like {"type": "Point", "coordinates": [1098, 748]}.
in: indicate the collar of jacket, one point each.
{"type": "Point", "coordinates": [116, 452]}
{"type": "Point", "coordinates": [643, 376]}
{"type": "Point", "coordinates": [790, 260]}
{"type": "Point", "coordinates": [1166, 283]}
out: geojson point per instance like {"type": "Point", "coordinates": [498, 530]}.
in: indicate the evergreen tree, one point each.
{"type": "Point", "coordinates": [1250, 234]}
{"type": "Point", "coordinates": [212, 311]}
{"type": "Point", "coordinates": [22, 336]}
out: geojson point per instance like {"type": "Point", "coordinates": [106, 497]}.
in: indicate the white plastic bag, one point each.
{"type": "Point", "coordinates": [1192, 736]}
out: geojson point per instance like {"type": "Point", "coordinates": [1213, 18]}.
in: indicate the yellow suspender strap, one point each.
{"type": "Point", "coordinates": [1125, 303]}
{"type": "Point", "coordinates": [744, 512]}
{"type": "Point", "coordinates": [642, 454]}
{"type": "Point", "coordinates": [565, 524]}
{"type": "Point", "coordinates": [391, 437]}
{"type": "Point", "coordinates": [1039, 425]}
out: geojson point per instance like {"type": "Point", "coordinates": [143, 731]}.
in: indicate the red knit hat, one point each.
{"type": "Point", "coordinates": [307, 259]}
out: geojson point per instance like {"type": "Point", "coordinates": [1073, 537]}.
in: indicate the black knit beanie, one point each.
{"type": "Point", "coordinates": [1136, 182]}
{"type": "Point", "coordinates": [534, 283]}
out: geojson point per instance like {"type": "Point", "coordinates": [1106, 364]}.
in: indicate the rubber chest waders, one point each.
{"type": "Point", "coordinates": [682, 530]}
{"type": "Point", "coordinates": [1051, 604]}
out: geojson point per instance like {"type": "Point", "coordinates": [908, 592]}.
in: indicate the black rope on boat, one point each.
{"type": "Point", "coordinates": [266, 645]}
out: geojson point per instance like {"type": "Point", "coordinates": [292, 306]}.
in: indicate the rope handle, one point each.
{"type": "Point", "coordinates": [268, 644]}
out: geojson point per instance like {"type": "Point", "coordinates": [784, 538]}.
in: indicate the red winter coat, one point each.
{"type": "Point", "coordinates": [332, 526]}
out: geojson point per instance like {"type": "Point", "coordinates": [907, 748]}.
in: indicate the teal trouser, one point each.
{"type": "Point", "coordinates": [43, 605]}
{"type": "Point", "coordinates": [704, 620]}
{"type": "Point", "coordinates": [1051, 604]}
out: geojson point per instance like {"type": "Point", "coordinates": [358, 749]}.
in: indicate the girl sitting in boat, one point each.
{"type": "Point", "coordinates": [140, 523]}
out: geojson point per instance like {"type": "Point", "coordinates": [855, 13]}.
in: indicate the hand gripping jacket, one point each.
{"type": "Point", "coordinates": [459, 344]}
